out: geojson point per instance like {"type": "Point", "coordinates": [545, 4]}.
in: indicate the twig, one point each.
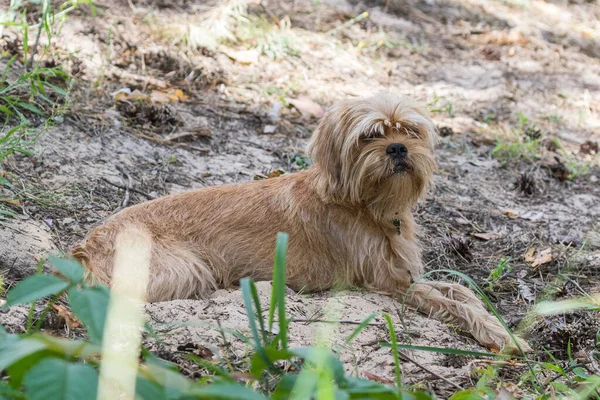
{"type": "Point", "coordinates": [146, 195]}
{"type": "Point", "coordinates": [448, 381]}
{"type": "Point", "coordinates": [37, 38]}
{"type": "Point", "coordinates": [330, 321]}
{"type": "Point", "coordinates": [348, 23]}
{"type": "Point", "coordinates": [269, 13]}
{"type": "Point", "coordinates": [497, 362]}
{"type": "Point", "coordinates": [125, 201]}
{"type": "Point", "coordinates": [119, 73]}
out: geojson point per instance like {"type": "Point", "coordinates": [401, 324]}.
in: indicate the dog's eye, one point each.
{"type": "Point", "coordinates": [412, 131]}
{"type": "Point", "coordinates": [367, 136]}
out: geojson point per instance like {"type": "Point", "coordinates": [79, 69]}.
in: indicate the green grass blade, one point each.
{"type": "Point", "coordinates": [447, 350]}
{"type": "Point", "coordinates": [359, 328]}
{"type": "Point", "coordinates": [259, 314]}
{"type": "Point", "coordinates": [278, 293]}
{"type": "Point", "coordinates": [212, 368]}
{"type": "Point", "coordinates": [394, 346]}
{"type": "Point", "coordinates": [246, 285]}
{"type": "Point", "coordinates": [565, 306]}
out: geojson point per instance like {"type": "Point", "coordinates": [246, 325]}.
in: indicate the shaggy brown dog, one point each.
{"type": "Point", "coordinates": [348, 218]}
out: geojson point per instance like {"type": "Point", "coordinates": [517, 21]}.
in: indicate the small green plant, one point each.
{"type": "Point", "coordinates": [575, 167]}
{"type": "Point", "coordinates": [554, 118]}
{"type": "Point", "coordinates": [500, 270]}
{"type": "Point", "coordinates": [300, 160]}
{"type": "Point", "coordinates": [507, 150]}
{"type": "Point", "coordinates": [436, 107]}
{"type": "Point", "coordinates": [274, 41]}
{"type": "Point", "coordinates": [524, 143]}
{"type": "Point", "coordinates": [31, 90]}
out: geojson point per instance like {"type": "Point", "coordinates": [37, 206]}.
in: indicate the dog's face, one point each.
{"type": "Point", "coordinates": [376, 152]}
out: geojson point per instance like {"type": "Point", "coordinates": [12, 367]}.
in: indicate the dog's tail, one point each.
{"type": "Point", "coordinates": [96, 255]}
{"type": "Point", "coordinates": [176, 270]}
{"type": "Point", "coordinates": [82, 256]}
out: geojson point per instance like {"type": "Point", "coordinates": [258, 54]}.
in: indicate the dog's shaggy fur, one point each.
{"type": "Point", "coordinates": [348, 217]}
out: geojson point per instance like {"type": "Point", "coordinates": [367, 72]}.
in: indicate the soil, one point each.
{"type": "Point", "coordinates": [490, 72]}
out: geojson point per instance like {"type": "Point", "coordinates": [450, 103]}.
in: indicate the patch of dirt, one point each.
{"type": "Point", "coordinates": [198, 323]}
{"type": "Point", "coordinates": [24, 243]}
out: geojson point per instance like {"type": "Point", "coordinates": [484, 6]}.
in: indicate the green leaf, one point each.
{"type": "Point", "coordinates": [258, 364]}
{"type": "Point", "coordinates": [322, 357]}
{"type": "Point", "coordinates": [34, 288]}
{"type": "Point", "coordinates": [446, 350]}
{"type": "Point", "coordinates": [68, 267]}
{"type": "Point", "coordinates": [90, 305]}
{"type": "Point", "coordinates": [359, 388]}
{"type": "Point", "coordinates": [226, 391]}
{"type": "Point", "coordinates": [13, 349]}
{"type": "Point", "coordinates": [5, 110]}
{"type": "Point", "coordinates": [145, 389]}
{"type": "Point", "coordinates": [285, 387]}
{"type": "Point", "coordinates": [469, 394]}
{"type": "Point", "coordinates": [19, 369]}
{"type": "Point", "coordinates": [170, 381]}
{"type": "Point", "coordinates": [56, 89]}
{"type": "Point", "coordinates": [359, 328]}
{"type": "Point", "coordinates": [212, 368]}
{"type": "Point", "coordinates": [58, 379]}
{"type": "Point", "coordinates": [6, 392]}
{"type": "Point", "coordinates": [30, 107]}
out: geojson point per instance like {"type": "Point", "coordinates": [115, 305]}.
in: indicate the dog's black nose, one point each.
{"type": "Point", "coordinates": [397, 151]}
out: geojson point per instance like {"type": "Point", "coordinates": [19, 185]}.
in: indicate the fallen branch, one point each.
{"type": "Point", "coordinates": [146, 195]}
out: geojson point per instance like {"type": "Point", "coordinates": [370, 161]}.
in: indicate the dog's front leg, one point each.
{"type": "Point", "coordinates": [460, 307]}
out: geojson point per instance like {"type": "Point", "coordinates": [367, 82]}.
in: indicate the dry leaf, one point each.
{"type": "Point", "coordinates": [197, 349]}
{"type": "Point", "coordinates": [542, 257]}
{"type": "Point", "coordinates": [376, 378]}
{"type": "Point", "coordinates": [126, 94]}
{"type": "Point", "coordinates": [529, 255]}
{"type": "Point", "coordinates": [525, 291]}
{"type": "Point", "coordinates": [532, 216]}
{"type": "Point", "coordinates": [487, 235]}
{"type": "Point", "coordinates": [68, 316]}
{"type": "Point", "coordinates": [510, 213]}
{"type": "Point", "coordinates": [10, 201]}
{"type": "Point", "coordinates": [244, 57]}
{"type": "Point", "coordinates": [275, 173]}
{"type": "Point", "coordinates": [307, 107]}
{"type": "Point", "coordinates": [188, 135]}
{"type": "Point", "coordinates": [172, 96]}
{"type": "Point", "coordinates": [269, 129]}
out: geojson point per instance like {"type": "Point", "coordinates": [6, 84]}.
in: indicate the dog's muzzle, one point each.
{"type": "Point", "coordinates": [399, 155]}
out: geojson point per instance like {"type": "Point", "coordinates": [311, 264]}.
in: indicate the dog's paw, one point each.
{"type": "Point", "coordinates": [500, 341]}
{"type": "Point", "coordinates": [511, 348]}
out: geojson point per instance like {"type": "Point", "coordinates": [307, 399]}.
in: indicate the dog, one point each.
{"type": "Point", "coordinates": [348, 216]}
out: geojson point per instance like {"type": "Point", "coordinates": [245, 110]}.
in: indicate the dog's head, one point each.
{"type": "Point", "coordinates": [375, 152]}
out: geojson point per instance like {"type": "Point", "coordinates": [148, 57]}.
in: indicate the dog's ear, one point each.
{"type": "Point", "coordinates": [323, 148]}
